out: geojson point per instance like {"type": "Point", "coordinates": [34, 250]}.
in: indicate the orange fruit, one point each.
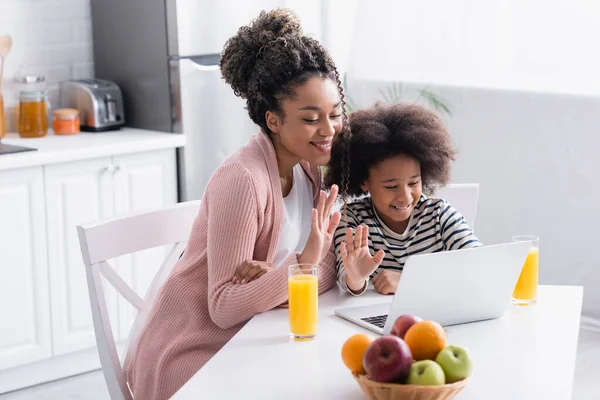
{"type": "Point", "coordinates": [353, 351]}
{"type": "Point", "coordinates": [425, 340]}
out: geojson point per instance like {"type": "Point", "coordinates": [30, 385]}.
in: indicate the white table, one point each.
{"type": "Point", "coordinates": [527, 354]}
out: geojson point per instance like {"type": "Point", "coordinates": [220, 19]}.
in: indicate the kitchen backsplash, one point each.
{"type": "Point", "coordinates": [51, 38]}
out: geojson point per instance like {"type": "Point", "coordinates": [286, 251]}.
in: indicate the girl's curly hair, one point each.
{"type": "Point", "coordinates": [384, 131]}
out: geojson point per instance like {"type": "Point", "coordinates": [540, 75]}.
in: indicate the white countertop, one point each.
{"type": "Point", "coordinates": [527, 354]}
{"type": "Point", "coordinates": [85, 145]}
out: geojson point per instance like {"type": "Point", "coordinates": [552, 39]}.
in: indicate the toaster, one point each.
{"type": "Point", "coordinates": [100, 103]}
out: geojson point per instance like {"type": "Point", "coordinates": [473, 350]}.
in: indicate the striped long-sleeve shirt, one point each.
{"type": "Point", "coordinates": [434, 226]}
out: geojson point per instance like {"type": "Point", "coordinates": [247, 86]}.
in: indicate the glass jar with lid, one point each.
{"type": "Point", "coordinates": [33, 114]}
{"type": "Point", "coordinates": [28, 83]}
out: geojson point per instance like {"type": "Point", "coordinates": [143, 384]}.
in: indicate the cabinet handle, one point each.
{"type": "Point", "coordinates": [119, 168]}
{"type": "Point", "coordinates": [109, 168]}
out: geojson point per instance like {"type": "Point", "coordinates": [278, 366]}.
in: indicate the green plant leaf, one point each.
{"type": "Point", "coordinates": [435, 101]}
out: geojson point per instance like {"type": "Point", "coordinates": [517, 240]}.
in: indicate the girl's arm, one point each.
{"type": "Point", "coordinates": [339, 237]}
{"type": "Point", "coordinates": [456, 233]}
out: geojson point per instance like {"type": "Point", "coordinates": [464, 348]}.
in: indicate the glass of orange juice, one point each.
{"type": "Point", "coordinates": [303, 295]}
{"type": "Point", "coordinates": [525, 293]}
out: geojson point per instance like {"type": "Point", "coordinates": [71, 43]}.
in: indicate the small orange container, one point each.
{"type": "Point", "coordinates": [65, 121]}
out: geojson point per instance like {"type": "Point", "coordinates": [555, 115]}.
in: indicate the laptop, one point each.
{"type": "Point", "coordinates": [450, 287]}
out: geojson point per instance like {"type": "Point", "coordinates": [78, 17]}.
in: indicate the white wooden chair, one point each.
{"type": "Point", "coordinates": [463, 197]}
{"type": "Point", "coordinates": [104, 240]}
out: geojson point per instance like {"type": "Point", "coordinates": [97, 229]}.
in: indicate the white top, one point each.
{"type": "Point", "coordinates": [297, 207]}
{"type": "Point", "coordinates": [527, 354]}
{"type": "Point", "coordinates": [85, 145]}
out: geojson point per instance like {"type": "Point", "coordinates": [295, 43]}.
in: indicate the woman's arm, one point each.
{"type": "Point", "coordinates": [233, 224]}
{"type": "Point", "coordinates": [234, 218]}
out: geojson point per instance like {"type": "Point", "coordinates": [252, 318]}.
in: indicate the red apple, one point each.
{"type": "Point", "coordinates": [402, 324]}
{"type": "Point", "coordinates": [388, 359]}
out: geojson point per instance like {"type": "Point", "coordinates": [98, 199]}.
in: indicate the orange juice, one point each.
{"type": "Point", "coordinates": [303, 305]}
{"type": "Point", "coordinates": [526, 288]}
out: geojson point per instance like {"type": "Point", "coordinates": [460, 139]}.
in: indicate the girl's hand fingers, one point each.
{"type": "Point", "coordinates": [343, 251]}
{"type": "Point", "coordinates": [378, 285]}
{"type": "Point", "coordinates": [357, 236]}
{"type": "Point", "coordinates": [388, 289]}
{"type": "Point", "coordinates": [349, 239]}
{"type": "Point", "coordinates": [376, 279]}
{"type": "Point", "coordinates": [364, 238]}
{"type": "Point", "coordinates": [378, 258]}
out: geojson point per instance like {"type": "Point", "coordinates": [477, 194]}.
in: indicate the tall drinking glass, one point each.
{"type": "Point", "coordinates": [525, 293]}
{"type": "Point", "coordinates": [303, 295]}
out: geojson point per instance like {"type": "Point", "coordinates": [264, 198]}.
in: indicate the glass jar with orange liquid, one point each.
{"type": "Point", "coordinates": [525, 292]}
{"type": "Point", "coordinates": [303, 296]}
{"type": "Point", "coordinates": [33, 114]}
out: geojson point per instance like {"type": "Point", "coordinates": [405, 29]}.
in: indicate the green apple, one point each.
{"type": "Point", "coordinates": [456, 363]}
{"type": "Point", "coordinates": [426, 372]}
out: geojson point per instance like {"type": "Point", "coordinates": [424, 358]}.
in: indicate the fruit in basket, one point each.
{"type": "Point", "coordinates": [456, 363]}
{"type": "Point", "coordinates": [425, 339]}
{"type": "Point", "coordinates": [402, 324]}
{"type": "Point", "coordinates": [353, 351]}
{"type": "Point", "coordinates": [388, 359]}
{"type": "Point", "coordinates": [426, 372]}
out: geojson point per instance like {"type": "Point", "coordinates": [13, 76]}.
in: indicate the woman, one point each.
{"type": "Point", "coordinates": [262, 209]}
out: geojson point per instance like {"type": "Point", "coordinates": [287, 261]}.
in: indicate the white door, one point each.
{"type": "Point", "coordinates": [77, 193]}
{"type": "Point", "coordinates": [24, 300]}
{"type": "Point", "coordinates": [142, 181]}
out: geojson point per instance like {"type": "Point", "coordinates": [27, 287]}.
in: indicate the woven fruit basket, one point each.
{"type": "Point", "coordinates": [396, 391]}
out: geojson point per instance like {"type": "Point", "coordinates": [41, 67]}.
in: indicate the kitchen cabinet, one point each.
{"type": "Point", "coordinates": [24, 289]}
{"type": "Point", "coordinates": [43, 289]}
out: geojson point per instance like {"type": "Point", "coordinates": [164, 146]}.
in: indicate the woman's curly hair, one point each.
{"type": "Point", "coordinates": [384, 131]}
{"type": "Point", "coordinates": [267, 59]}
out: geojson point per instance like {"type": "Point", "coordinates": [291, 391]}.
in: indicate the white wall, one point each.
{"type": "Point", "coordinates": [539, 45]}
{"type": "Point", "coordinates": [338, 22]}
{"type": "Point", "coordinates": [51, 38]}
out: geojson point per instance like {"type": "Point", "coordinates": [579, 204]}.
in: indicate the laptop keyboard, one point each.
{"type": "Point", "coordinates": [378, 320]}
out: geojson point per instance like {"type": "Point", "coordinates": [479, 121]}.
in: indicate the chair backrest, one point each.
{"type": "Point", "coordinates": [104, 240]}
{"type": "Point", "coordinates": [463, 197]}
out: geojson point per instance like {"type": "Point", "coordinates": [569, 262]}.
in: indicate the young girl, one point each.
{"type": "Point", "coordinates": [398, 155]}
{"type": "Point", "coordinates": [262, 210]}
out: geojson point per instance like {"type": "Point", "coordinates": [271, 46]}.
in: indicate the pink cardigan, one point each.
{"type": "Point", "coordinates": [198, 309]}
